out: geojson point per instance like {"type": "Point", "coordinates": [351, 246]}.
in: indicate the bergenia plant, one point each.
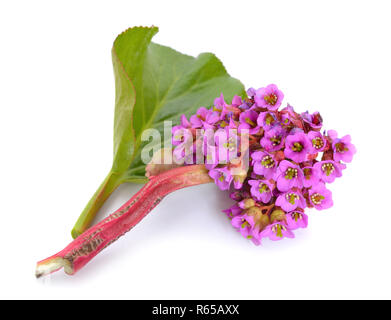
{"type": "Point", "coordinates": [272, 161]}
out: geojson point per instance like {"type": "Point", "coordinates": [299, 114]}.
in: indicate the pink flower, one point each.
{"type": "Point", "coordinates": [343, 149]}
{"type": "Point", "coordinates": [269, 97]}
{"type": "Point", "coordinates": [329, 170]}
{"type": "Point", "coordinates": [243, 223]}
{"type": "Point", "coordinates": [318, 141]}
{"type": "Point", "coordinates": [251, 92]}
{"type": "Point", "coordinates": [261, 190]}
{"type": "Point", "coordinates": [248, 120]}
{"type": "Point", "coordinates": [297, 146]}
{"type": "Point", "coordinates": [211, 119]}
{"type": "Point", "coordinates": [296, 219]}
{"type": "Point", "coordinates": [236, 101]}
{"type": "Point", "coordinates": [227, 114]}
{"type": "Point", "coordinates": [219, 102]}
{"type": "Point", "coordinates": [267, 120]}
{"type": "Point", "coordinates": [233, 211]}
{"type": "Point", "coordinates": [222, 177]}
{"type": "Point", "coordinates": [273, 140]}
{"type": "Point", "coordinates": [277, 231]}
{"type": "Point", "coordinates": [289, 176]}
{"type": "Point", "coordinates": [264, 164]}
{"type": "Point", "coordinates": [227, 143]}
{"type": "Point", "coordinates": [320, 197]}
{"type": "Point", "coordinates": [182, 139]}
{"type": "Point", "coordinates": [313, 121]}
{"type": "Point", "coordinates": [288, 116]}
{"type": "Point", "coordinates": [204, 118]}
{"type": "Point", "coordinates": [196, 120]}
{"type": "Point", "coordinates": [291, 200]}
{"type": "Point", "coordinates": [181, 135]}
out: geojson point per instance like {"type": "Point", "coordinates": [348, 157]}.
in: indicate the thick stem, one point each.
{"type": "Point", "coordinates": [90, 243]}
{"type": "Point", "coordinates": [85, 219]}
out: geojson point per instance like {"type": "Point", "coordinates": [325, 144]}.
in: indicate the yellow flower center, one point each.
{"type": "Point", "coordinates": [269, 119]}
{"type": "Point", "coordinates": [250, 122]}
{"type": "Point", "coordinates": [297, 147]}
{"type": "Point", "coordinates": [317, 198]}
{"type": "Point", "coordinates": [263, 188]}
{"type": "Point", "coordinates": [271, 99]}
{"type": "Point", "coordinates": [268, 162]}
{"type": "Point", "coordinates": [328, 168]}
{"type": "Point", "coordinates": [341, 147]}
{"type": "Point", "coordinates": [291, 197]}
{"type": "Point", "coordinates": [317, 143]}
{"type": "Point", "coordinates": [277, 229]}
{"type": "Point", "coordinates": [291, 173]}
{"type": "Point", "coordinates": [275, 140]}
{"type": "Point", "coordinates": [296, 216]}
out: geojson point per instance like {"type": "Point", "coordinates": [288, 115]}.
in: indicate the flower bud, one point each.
{"type": "Point", "coordinates": [262, 222]}
{"type": "Point", "coordinates": [253, 211]}
{"type": "Point", "coordinates": [247, 203]}
{"type": "Point", "coordinates": [277, 215]}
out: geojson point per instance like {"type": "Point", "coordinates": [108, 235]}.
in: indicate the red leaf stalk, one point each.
{"type": "Point", "coordinates": [95, 239]}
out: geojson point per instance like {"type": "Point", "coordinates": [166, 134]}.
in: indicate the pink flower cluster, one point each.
{"type": "Point", "coordinates": [290, 160]}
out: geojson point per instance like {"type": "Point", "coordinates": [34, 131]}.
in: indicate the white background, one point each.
{"type": "Point", "coordinates": [57, 98]}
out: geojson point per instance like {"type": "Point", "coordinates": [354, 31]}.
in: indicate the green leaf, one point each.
{"type": "Point", "coordinates": [154, 84]}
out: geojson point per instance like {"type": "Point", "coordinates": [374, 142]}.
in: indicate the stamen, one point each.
{"type": "Point", "coordinates": [268, 162]}
{"type": "Point", "coordinates": [275, 140]}
{"type": "Point", "coordinates": [317, 198]}
{"type": "Point", "coordinates": [244, 224]}
{"type": "Point", "coordinates": [291, 173]}
{"type": "Point", "coordinates": [250, 122]}
{"type": "Point", "coordinates": [297, 147]}
{"type": "Point", "coordinates": [277, 229]}
{"type": "Point", "coordinates": [340, 147]}
{"type": "Point", "coordinates": [263, 188]}
{"type": "Point", "coordinates": [317, 143]}
{"type": "Point", "coordinates": [269, 119]}
{"type": "Point", "coordinates": [328, 168]}
{"type": "Point", "coordinates": [296, 216]}
{"type": "Point", "coordinates": [271, 99]}
{"type": "Point", "coordinates": [307, 173]}
{"type": "Point", "coordinates": [291, 197]}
